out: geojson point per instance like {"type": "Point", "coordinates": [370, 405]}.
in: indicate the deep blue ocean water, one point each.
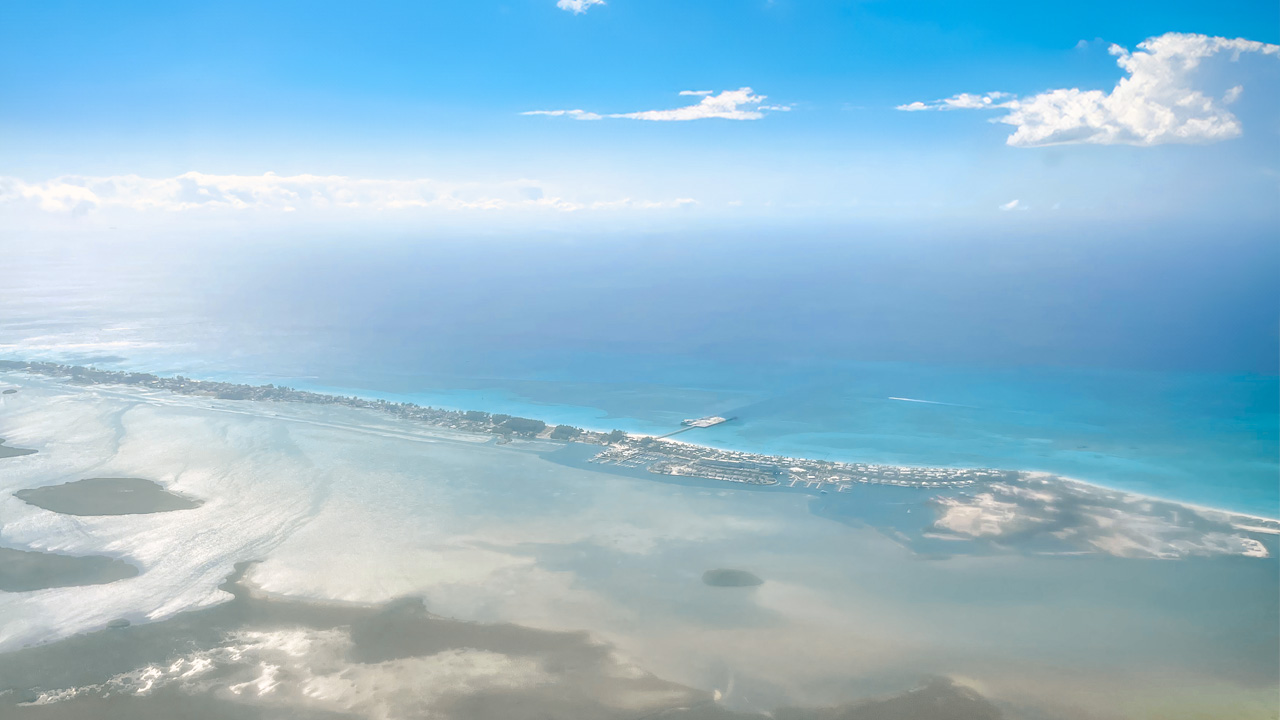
{"type": "Point", "coordinates": [1141, 363]}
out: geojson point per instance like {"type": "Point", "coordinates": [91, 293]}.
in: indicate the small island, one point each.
{"type": "Point", "coordinates": [106, 496]}
{"type": "Point", "coordinates": [725, 577]}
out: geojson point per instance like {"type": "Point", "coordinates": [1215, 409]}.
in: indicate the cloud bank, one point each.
{"type": "Point", "coordinates": [740, 104]}
{"type": "Point", "coordinates": [1158, 103]}
{"type": "Point", "coordinates": [199, 191]}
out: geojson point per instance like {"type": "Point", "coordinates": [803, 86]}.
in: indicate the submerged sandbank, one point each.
{"type": "Point", "coordinates": [106, 496]}
{"type": "Point", "coordinates": [260, 657]}
{"type": "Point", "coordinates": [26, 570]}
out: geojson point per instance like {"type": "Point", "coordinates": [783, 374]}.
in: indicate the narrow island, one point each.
{"type": "Point", "coordinates": [1002, 510]}
{"type": "Point", "coordinates": [655, 454]}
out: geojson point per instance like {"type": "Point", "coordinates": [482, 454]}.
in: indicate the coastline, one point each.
{"type": "Point", "coordinates": [465, 420]}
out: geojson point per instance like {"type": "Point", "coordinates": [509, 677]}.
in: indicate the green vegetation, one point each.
{"type": "Point", "coordinates": [565, 432]}
{"type": "Point", "coordinates": [523, 426]}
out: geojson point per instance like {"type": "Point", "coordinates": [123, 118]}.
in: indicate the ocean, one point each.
{"type": "Point", "coordinates": [1139, 363]}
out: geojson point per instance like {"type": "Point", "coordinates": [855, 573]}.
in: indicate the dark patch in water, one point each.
{"type": "Point", "coordinates": [8, 452]}
{"type": "Point", "coordinates": [26, 570]}
{"type": "Point", "coordinates": [725, 577]}
{"type": "Point", "coordinates": [106, 496]}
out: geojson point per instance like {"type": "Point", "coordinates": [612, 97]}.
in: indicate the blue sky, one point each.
{"type": "Point", "coordinates": [413, 109]}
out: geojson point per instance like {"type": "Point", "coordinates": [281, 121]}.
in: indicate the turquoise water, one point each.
{"type": "Point", "coordinates": [1207, 439]}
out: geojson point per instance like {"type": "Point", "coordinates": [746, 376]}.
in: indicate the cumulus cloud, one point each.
{"type": "Point", "coordinates": [1011, 205]}
{"type": "Point", "coordinates": [199, 191]}
{"type": "Point", "coordinates": [577, 7]}
{"type": "Point", "coordinates": [1157, 103]}
{"type": "Point", "coordinates": [740, 104]}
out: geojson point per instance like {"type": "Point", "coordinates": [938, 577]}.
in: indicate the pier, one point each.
{"type": "Point", "coordinates": [695, 423]}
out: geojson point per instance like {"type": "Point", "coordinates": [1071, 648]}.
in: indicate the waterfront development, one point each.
{"type": "Point", "coordinates": [685, 459]}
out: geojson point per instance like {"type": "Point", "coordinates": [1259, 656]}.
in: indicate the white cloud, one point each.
{"type": "Point", "coordinates": [963, 101]}
{"type": "Point", "coordinates": [1156, 104]}
{"type": "Point", "coordinates": [270, 192]}
{"type": "Point", "coordinates": [575, 114]}
{"type": "Point", "coordinates": [740, 104]}
{"type": "Point", "coordinates": [577, 7]}
{"type": "Point", "coordinates": [1011, 205]}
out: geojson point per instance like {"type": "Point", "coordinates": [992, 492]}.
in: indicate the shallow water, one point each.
{"type": "Point", "coordinates": [351, 506]}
